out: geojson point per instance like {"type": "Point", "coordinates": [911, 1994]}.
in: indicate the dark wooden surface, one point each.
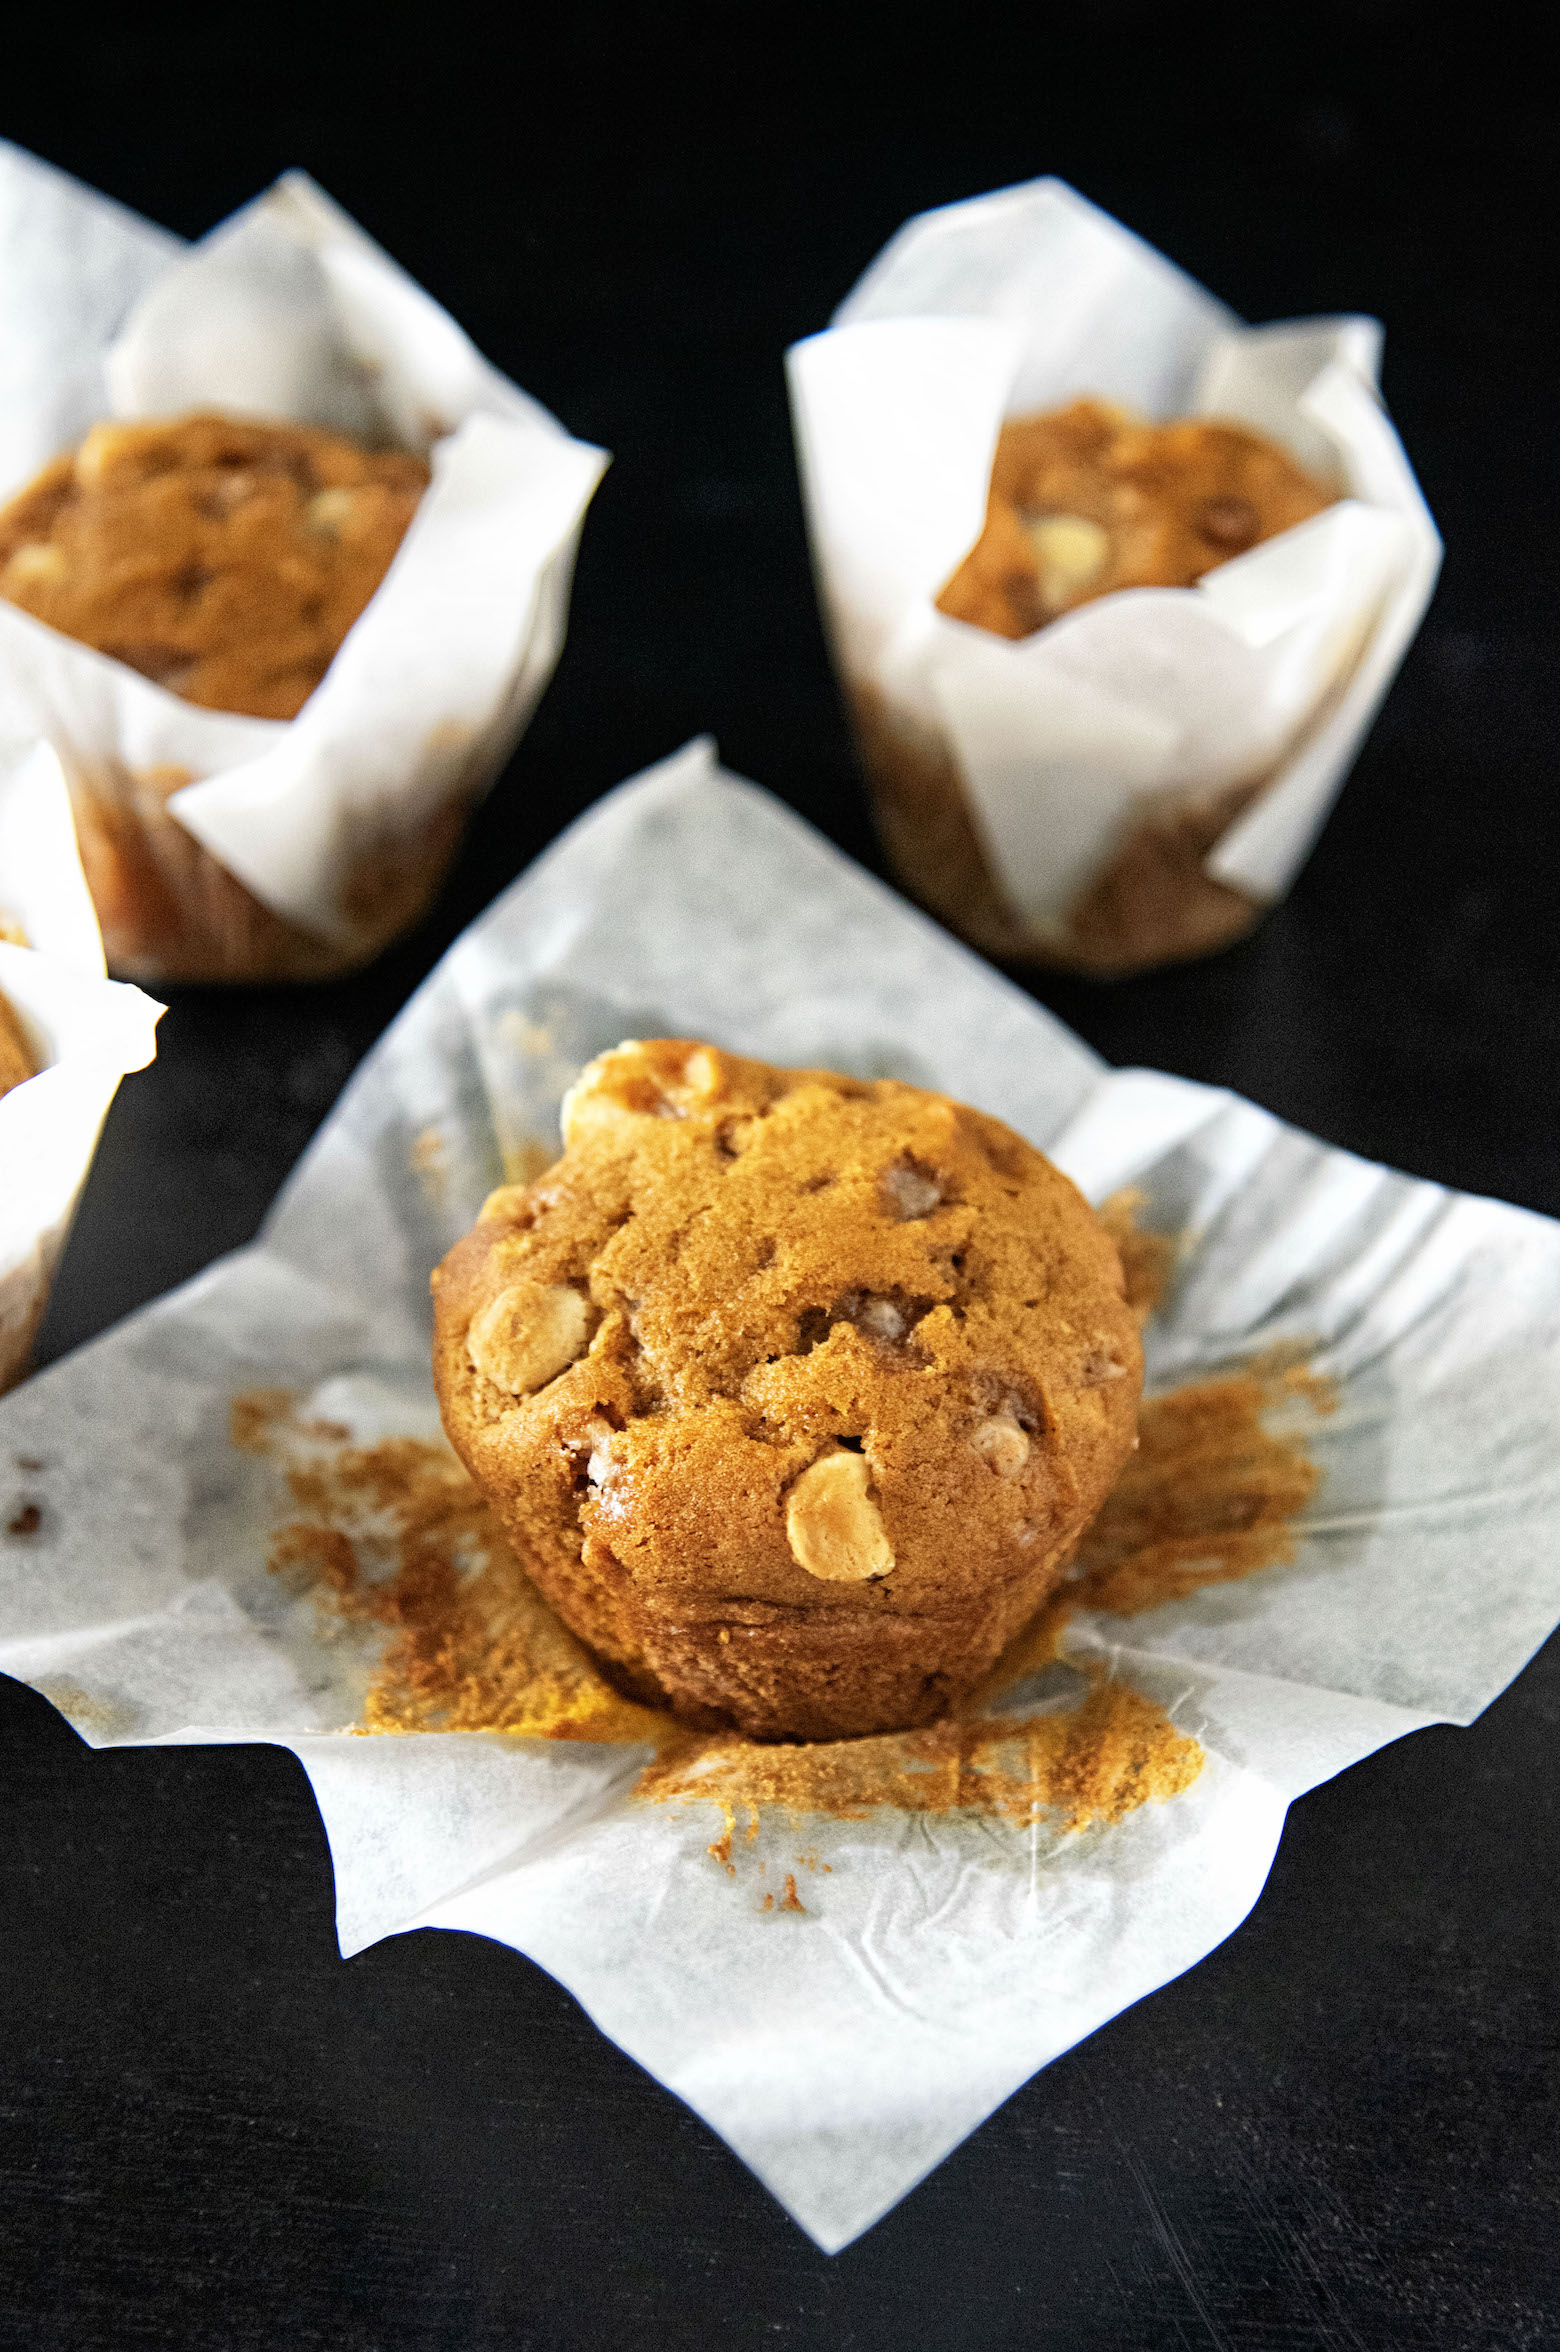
{"type": "Point", "coordinates": [1341, 2129]}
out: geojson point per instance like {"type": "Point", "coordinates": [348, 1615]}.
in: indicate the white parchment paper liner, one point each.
{"type": "Point", "coordinates": [1272, 666]}
{"type": "Point", "coordinates": [44, 899]}
{"type": "Point", "coordinates": [288, 310]}
{"type": "Point", "coordinates": [940, 1962]}
{"type": "Point", "coordinates": [85, 1031]}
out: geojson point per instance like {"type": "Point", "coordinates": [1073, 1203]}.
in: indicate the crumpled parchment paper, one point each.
{"type": "Point", "coordinates": [1272, 666]}
{"type": "Point", "coordinates": [288, 310]}
{"type": "Point", "coordinates": [939, 1961]}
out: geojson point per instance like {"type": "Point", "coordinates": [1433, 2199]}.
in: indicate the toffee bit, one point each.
{"type": "Point", "coordinates": [1229, 523]}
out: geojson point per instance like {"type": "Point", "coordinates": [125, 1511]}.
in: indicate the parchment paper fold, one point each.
{"type": "Point", "coordinates": [939, 1960]}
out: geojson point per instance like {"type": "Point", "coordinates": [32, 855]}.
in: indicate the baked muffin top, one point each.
{"type": "Point", "coordinates": [224, 559]}
{"type": "Point", "coordinates": [1087, 499]}
{"type": "Point", "coordinates": [793, 1391]}
{"type": "Point", "coordinates": [16, 1060]}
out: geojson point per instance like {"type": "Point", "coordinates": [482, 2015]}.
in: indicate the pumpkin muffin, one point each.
{"type": "Point", "coordinates": [224, 559]}
{"type": "Point", "coordinates": [794, 1392]}
{"type": "Point", "coordinates": [1088, 499]}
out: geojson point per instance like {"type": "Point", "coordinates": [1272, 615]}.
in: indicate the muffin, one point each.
{"type": "Point", "coordinates": [1088, 499]}
{"type": "Point", "coordinates": [793, 1392]}
{"type": "Point", "coordinates": [1151, 902]}
{"type": "Point", "coordinates": [223, 559]}
{"type": "Point", "coordinates": [226, 560]}
{"type": "Point", "coordinates": [16, 1061]}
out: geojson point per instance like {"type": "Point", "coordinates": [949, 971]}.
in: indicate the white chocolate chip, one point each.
{"type": "Point", "coordinates": [1002, 1444]}
{"type": "Point", "coordinates": [1070, 550]}
{"type": "Point", "coordinates": [910, 1191]}
{"type": "Point", "coordinates": [329, 510]}
{"type": "Point", "coordinates": [880, 1319]}
{"type": "Point", "coordinates": [584, 1112]}
{"type": "Point", "coordinates": [236, 484]}
{"type": "Point", "coordinates": [39, 560]}
{"type": "Point", "coordinates": [590, 1106]}
{"type": "Point", "coordinates": [833, 1524]}
{"type": "Point", "coordinates": [600, 1435]}
{"type": "Point", "coordinates": [635, 1082]}
{"type": "Point", "coordinates": [701, 1072]}
{"type": "Point", "coordinates": [527, 1334]}
{"type": "Point", "coordinates": [99, 450]}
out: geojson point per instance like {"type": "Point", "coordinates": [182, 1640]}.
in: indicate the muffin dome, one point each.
{"type": "Point", "coordinates": [793, 1392]}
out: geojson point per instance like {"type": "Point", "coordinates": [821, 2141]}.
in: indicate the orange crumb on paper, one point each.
{"type": "Point", "coordinates": [395, 1535]}
{"type": "Point", "coordinates": [429, 1160]}
{"type": "Point", "coordinates": [1147, 1259]}
{"type": "Point", "coordinates": [719, 1849]}
{"type": "Point", "coordinates": [254, 1414]}
{"type": "Point", "coordinates": [88, 1711]}
{"type": "Point", "coordinates": [522, 1035]}
{"type": "Point", "coordinates": [1096, 1763]}
{"type": "Point", "coordinates": [792, 1901]}
{"type": "Point", "coordinates": [1211, 1494]}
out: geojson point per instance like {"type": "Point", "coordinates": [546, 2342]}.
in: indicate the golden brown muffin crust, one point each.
{"type": "Point", "coordinates": [1086, 500]}
{"type": "Point", "coordinates": [224, 559]}
{"type": "Point", "coordinates": [16, 1059]}
{"type": "Point", "coordinates": [793, 1391]}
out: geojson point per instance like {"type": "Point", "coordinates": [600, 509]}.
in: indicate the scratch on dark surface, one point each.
{"type": "Point", "coordinates": [1179, 2259]}
{"type": "Point", "coordinates": [1292, 2249]}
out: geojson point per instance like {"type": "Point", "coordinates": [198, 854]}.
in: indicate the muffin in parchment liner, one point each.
{"type": "Point", "coordinates": [226, 846]}
{"type": "Point", "coordinates": [1134, 781]}
{"type": "Point", "coordinates": [67, 1037]}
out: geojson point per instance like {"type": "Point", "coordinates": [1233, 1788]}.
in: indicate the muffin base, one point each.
{"type": "Point", "coordinates": [1151, 903]}
{"type": "Point", "coordinates": [170, 911]}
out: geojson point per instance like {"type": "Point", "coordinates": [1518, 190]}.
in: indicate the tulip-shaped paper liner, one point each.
{"type": "Point", "coordinates": [81, 1032]}
{"type": "Point", "coordinates": [1137, 780]}
{"type": "Point", "coordinates": [222, 846]}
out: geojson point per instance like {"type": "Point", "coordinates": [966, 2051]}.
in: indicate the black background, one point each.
{"type": "Point", "coordinates": [1340, 2129]}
